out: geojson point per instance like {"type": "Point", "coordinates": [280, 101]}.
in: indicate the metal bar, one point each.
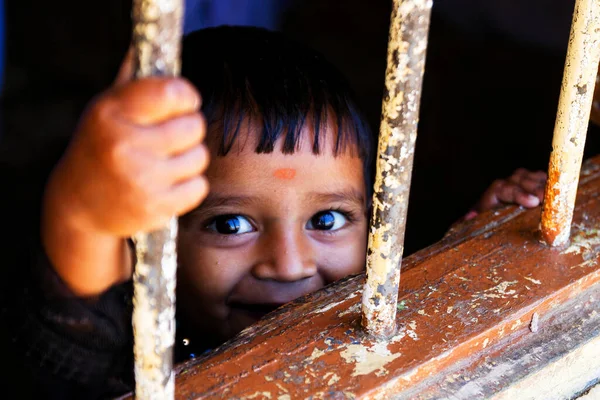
{"type": "Point", "coordinates": [156, 41]}
{"type": "Point", "coordinates": [407, 48]}
{"type": "Point", "coordinates": [572, 120]}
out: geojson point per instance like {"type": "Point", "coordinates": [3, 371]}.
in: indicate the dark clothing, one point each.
{"type": "Point", "coordinates": [58, 346]}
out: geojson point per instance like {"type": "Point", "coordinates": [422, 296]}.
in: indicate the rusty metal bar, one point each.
{"type": "Point", "coordinates": [572, 120]}
{"type": "Point", "coordinates": [157, 35]}
{"type": "Point", "coordinates": [407, 47]}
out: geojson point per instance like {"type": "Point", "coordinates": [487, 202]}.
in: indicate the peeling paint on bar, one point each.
{"type": "Point", "coordinates": [156, 40]}
{"type": "Point", "coordinates": [157, 33]}
{"type": "Point", "coordinates": [572, 120]}
{"type": "Point", "coordinates": [154, 313]}
{"type": "Point", "coordinates": [398, 133]}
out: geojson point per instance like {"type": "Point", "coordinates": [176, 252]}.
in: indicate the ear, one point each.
{"type": "Point", "coordinates": [125, 73]}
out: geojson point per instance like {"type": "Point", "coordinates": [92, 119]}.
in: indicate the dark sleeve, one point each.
{"type": "Point", "coordinates": [72, 345]}
{"type": "Point", "coordinates": [57, 346]}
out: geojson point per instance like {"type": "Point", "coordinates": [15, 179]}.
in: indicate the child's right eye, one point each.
{"type": "Point", "coordinates": [230, 225]}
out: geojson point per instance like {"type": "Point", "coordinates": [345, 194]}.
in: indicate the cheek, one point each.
{"type": "Point", "coordinates": [209, 273]}
{"type": "Point", "coordinates": [348, 257]}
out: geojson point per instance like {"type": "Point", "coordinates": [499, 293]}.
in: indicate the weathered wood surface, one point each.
{"type": "Point", "coordinates": [560, 360]}
{"type": "Point", "coordinates": [460, 301]}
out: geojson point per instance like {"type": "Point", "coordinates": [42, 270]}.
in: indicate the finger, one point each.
{"type": "Point", "coordinates": [489, 199]}
{"type": "Point", "coordinates": [533, 186]}
{"type": "Point", "coordinates": [470, 215]}
{"type": "Point", "coordinates": [125, 73]}
{"type": "Point", "coordinates": [525, 199]}
{"type": "Point", "coordinates": [517, 175]}
{"type": "Point", "coordinates": [507, 193]}
{"type": "Point", "coordinates": [187, 195]}
{"type": "Point", "coordinates": [539, 176]}
{"type": "Point", "coordinates": [187, 165]}
{"type": "Point", "coordinates": [154, 100]}
{"type": "Point", "coordinates": [174, 136]}
{"type": "Point", "coordinates": [513, 194]}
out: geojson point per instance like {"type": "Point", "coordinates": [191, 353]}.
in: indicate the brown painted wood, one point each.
{"type": "Point", "coordinates": [557, 358]}
{"type": "Point", "coordinates": [458, 299]}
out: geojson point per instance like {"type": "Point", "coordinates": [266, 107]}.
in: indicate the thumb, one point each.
{"type": "Point", "coordinates": [125, 73]}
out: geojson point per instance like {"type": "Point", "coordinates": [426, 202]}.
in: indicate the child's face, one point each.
{"type": "Point", "coordinates": [274, 227]}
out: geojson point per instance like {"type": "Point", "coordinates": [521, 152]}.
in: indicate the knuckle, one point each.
{"type": "Point", "coordinates": [98, 117]}
{"type": "Point", "coordinates": [203, 157]}
{"type": "Point", "coordinates": [166, 88]}
{"type": "Point", "coordinates": [199, 123]}
{"type": "Point", "coordinates": [498, 184]}
{"type": "Point", "coordinates": [150, 209]}
{"type": "Point", "coordinates": [118, 153]}
{"type": "Point", "coordinates": [199, 164]}
{"type": "Point", "coordinates": [196, 160]}
{"type": "Point", "coordinates": [530, 176]}
{"type": "Point", "coordinates": [176, 90]}
{"type": "Point", "coordinates": [190, 128]}
{"type": "Point", "coordinates": [140, 181]}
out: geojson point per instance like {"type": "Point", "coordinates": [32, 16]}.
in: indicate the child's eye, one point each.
{"type": "Point", "coordinates": [327, 221]}
{"type": "Point", "coordinates": [230, 225]}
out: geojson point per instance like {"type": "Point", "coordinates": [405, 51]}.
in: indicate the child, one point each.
{"type": "Point", "coordinates": [287, 211]}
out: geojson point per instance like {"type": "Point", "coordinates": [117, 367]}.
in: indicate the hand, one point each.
{"type": "Point", "coordinates": [136, 159]}
{"type": "Point", "coordinates": [523, 187]}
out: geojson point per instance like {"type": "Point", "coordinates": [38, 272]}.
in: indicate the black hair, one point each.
{"type": "Point", "coordinates": [257, 74]}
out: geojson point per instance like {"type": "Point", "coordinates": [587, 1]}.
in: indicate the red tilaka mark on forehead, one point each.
{"type": "Point", "coordinates": [285, 173]}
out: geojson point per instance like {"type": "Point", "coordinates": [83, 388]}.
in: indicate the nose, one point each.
{"type": "Point", "coordinates": [287, 256]}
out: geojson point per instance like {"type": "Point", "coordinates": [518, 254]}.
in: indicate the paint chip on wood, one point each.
{"type": "Point", "coordinates": [534, 324]}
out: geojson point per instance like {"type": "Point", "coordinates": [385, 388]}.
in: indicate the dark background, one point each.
{"type": "Point", "coordinates": [491, 87]}
{"type": "Point", "coordinates": [489, 100]}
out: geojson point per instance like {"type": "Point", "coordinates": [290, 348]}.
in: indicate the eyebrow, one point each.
{"type": "Point", "coordinates": [346, 195]}
{"type": "Point", "coordinates": [213, 201]}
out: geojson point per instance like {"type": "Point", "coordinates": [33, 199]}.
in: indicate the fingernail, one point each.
{"type": "Point", "coordinates": [534, 200]}
{"type": "Point", "coordinates": [470, 215]}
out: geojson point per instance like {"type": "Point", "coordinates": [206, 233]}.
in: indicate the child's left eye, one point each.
{"type": "Point", "coordinates": [230, 225]}
{"type": "Point", "coordinates": [327, 221]}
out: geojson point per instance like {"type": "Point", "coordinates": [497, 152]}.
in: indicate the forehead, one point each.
{"type": "Point", "coordinates": [243, 170]}
{"type": "Point", "coordinates": [242, 166]}
{"type": "Point", "coordinates": [248, 170]}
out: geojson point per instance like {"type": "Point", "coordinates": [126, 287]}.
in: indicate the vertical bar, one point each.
{"type": "Point", "coordinates": [156, 40]}
{"type": "Point", "coordinates": [398, 133]}
{"type": "Point", "coordinates": [572, 120]}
